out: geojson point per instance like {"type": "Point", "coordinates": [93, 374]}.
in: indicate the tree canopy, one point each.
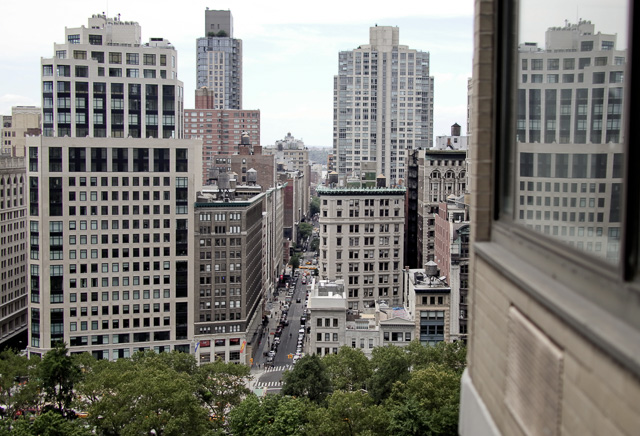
{"type": "Point", "coordinates": [413, 390]}
{"type": "Point", "coordinates": [305, 230]}
{"type": "Point", "coordinates": [308, 378]}
{"type": "Point", "coordinates": [314, 206]}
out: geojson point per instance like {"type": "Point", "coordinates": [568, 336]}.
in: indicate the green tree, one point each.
{"type": "Point", "coordinates": [390, 364]}
{"type": "Point", "coordinates": [58, 372]}
{"type": "Point", "coordinates": [308, 378]}
{"type": "Point", "coordinates": [304, 230]}
{"type": "Point", "coordinates": [221, 387]}
{"type": "Point", "coordinates": [314, 206]}
{"type": "Point", "coordinates": [19, 385]}
{"type": "Point", "coordinates": [315, 244]}
{"type": "Point", "coordinates": [147, 392]}
{"type": "Point", "coordinates": [348, 413]}
{"type": "Point", "coordinates": [50, 423]}
{"type": "Point", "coordinates": [453, 355]}
{"type": "Point", "coordinates": [348, 370]}
{"type": "Point", "coordinates": [270, 415]}
{"type": "Point", "coordinates": [429, 399]}
{"type": "Point", "coordinates": [294, 261]}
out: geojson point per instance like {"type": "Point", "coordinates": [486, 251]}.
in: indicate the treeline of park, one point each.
{"type": "Point", "coordinates": [413, 390]}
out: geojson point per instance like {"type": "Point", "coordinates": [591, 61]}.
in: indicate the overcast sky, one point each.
{"type": "Point", "coordinates": [290, 50]}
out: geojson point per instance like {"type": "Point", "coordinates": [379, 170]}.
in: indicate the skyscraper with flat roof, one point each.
{"type": "Point", "coordinates": [111, 191]}
{"type": "Point", "coordinates": [383, 105]}
{"type": "Point", "coordinates": [219, 62]}
{"type": "Point", "coordinates": [104, 82]}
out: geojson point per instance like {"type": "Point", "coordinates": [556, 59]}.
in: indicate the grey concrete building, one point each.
{"type": "Point", "coordinates": [13, 254]}
{"type": "Point", "coordinates": [383, 105]}
{"type": "Point", "coordinates": [219, 61]}
{"type": "Point", "coordinates": [237, 257]}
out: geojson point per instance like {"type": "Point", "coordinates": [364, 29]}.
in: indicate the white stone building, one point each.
{"type": "Point", "coordinates": [383, 105]}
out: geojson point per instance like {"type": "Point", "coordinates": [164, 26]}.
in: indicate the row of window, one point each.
{"type": "Point", "coordinates": [597, 78]}
{"type": "Point", "coordinates": [569, 63]}
{"type": "Point", "coordinates": [114, 57]}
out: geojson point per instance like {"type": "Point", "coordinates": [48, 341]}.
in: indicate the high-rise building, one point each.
{"type": "Point", "coordinates": [433, 176]}
{"type": "Point", "coordinates": [219, 62]}
{"type": "Point", "coordinates": [103, 82]}
{"type": "Point", "coordinates": [452, 259]}
{"type": "Point", "coordinates": [110, 210]}
{"type": "Point", "coordinates": [383, 105]}
{"type": "Point", "coordinates": [110, 263]}
{"type": "Point", "coordinates": [221, 131]}
{"type": "Point", "coordinates": [24, 121]}
{"type": "Point", "coordinates": [361, 242]}
{"type": "Point", "coordinates": [13, 254]}
{"type": "Point", "coordinates": [239, 240]}
{"type": "Point", "coordinates": [292, 155]}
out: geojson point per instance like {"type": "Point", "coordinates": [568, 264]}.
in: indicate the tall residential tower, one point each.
{"type": "Point", "coordinates": [219, 67]}
{"type": "Point", "coordinates": [382, 105]}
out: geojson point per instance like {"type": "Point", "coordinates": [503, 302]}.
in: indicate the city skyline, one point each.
{"type": "Point", "coordinates": [285, 50]}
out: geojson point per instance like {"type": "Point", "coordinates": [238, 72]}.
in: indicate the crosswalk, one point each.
{"type": "Point", "coordinates": [278, 368]}
{"type": "Point", "coordinates": [271, 384]}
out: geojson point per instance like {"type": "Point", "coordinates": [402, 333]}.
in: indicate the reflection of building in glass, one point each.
{"type": "Point", "coordinates": [568, 126]}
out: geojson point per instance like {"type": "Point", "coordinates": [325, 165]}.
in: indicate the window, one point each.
{"type": "Point", "coordinates": [554, 248]}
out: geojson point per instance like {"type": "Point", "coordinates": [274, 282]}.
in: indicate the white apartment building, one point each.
{"type": "Point", "coordinates": [219, 61]}
{"type": "Point", "coordinates": [332, 325]}
{"type": "Point", "coordinates": [13, 251]}
{"type": "Point", "coordinates": [569, 133]}
{"type": "Point", "coordinates": [361, 242]}
{"type": "Point", "coordinates": [104, 82]}
{"type": "Point", "coordinates": [110, 256]}
{"type": "Point", "coordinates": [383, 105]}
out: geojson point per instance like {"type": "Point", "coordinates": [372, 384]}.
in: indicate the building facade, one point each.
{"type": "Point", "coordinates": [220, 131]}
{"type": "Point", "coordinates": [361, 242]}
{"type": "Point", "coordinates": [452, 258]}
{"type": "Point", "coordinates": [429, 303]}
{"type": "Point", "coordinates": [13, 254]}
{"type": "Point", "coordinates": [554, 333]}
{"type": "Point", "coordinates": [219, 61]}
{"type": "Point", "coordinates": [229, 270]}
{"type": "Point", "coordinates": [434, 175]}
{"type": "Point", "coordinates": [110, 253]}
{"type": "Point", "coordinates": [24, 121]}
{"type": "Point", "coordinates": [332, 325]}
{"type": "Point", "coordinates": [383, 105]}
{"type": "Point", "coordinates": [103, 82]}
